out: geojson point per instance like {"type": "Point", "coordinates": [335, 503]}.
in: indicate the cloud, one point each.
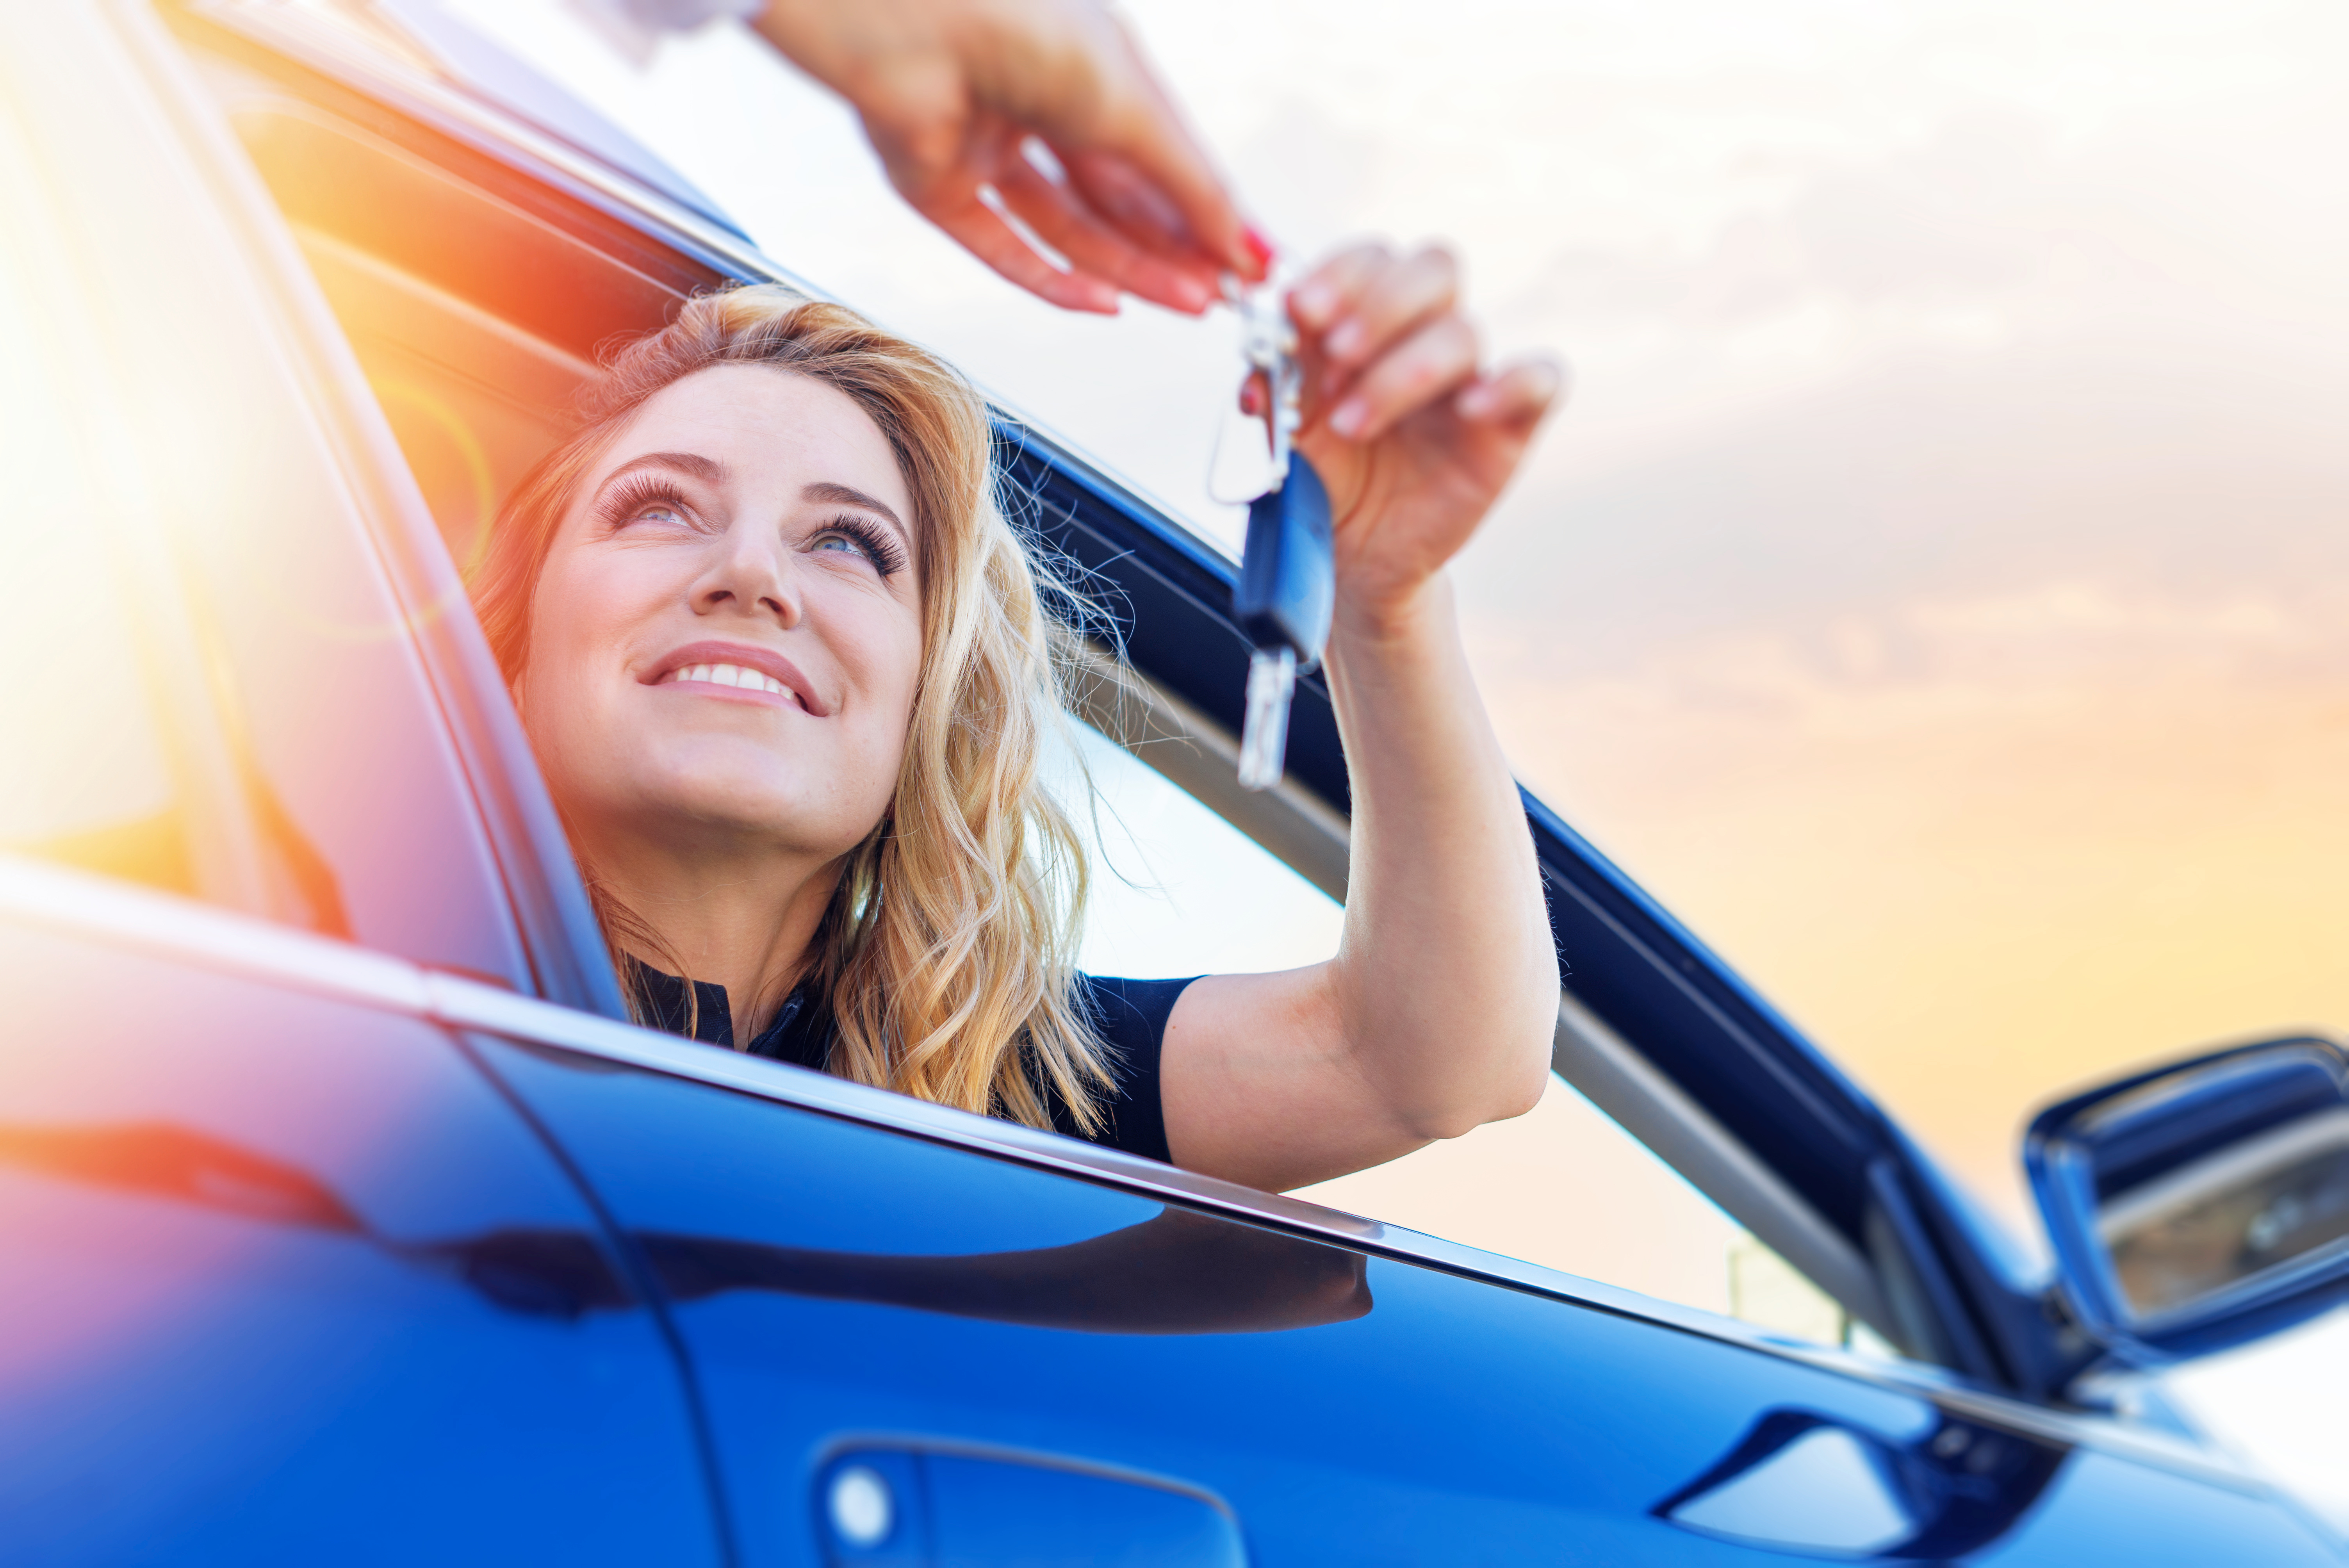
{"type": "Point", "coordinates": [2155, 456]}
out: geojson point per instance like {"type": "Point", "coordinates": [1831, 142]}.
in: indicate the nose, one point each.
{"type": "Point", "coordinates": [749, 573]}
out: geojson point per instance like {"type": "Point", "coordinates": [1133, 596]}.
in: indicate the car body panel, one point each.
{"type": "Point", "coordinates": [288, 1278]}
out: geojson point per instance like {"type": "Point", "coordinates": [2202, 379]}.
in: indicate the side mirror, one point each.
{"type": "Point", "coordinates": [2201, 1204]}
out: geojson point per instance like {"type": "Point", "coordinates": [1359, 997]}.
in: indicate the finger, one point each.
{"type": "Point", "coordinates": [986, 236]}
{"type": "Point", "coordinates": [1054, 212]}
{"type": "Point", "coordinates": [1390, 303]}
{"type": "Point", "coordinates": [1131, 204]}
{"type": "Point", "coordinates": [948, 189]}
{"type": "Point", "coordinates": [1135, 208]}
{"type": "Point", "coordinates": [1331, 288]}
{"type": "Point", "coordinates": [1432, 362]}
{"type": "Point", "coordinates": [1519, 395]}
{"type": "Point", "coordinates": [1144, 127]}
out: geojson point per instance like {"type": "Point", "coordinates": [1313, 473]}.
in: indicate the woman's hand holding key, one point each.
{"type": "Point", "coordinates": [1414, 436]}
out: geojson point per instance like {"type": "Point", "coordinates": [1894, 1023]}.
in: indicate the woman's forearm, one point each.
{"type": "Point", "coordinates": [1436, 1014]}
{"type": "Point", "coordinates": [1446, 981]}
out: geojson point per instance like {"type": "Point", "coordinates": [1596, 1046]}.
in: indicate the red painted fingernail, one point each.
{"type": "Point", "coordinates": [1258, 246]}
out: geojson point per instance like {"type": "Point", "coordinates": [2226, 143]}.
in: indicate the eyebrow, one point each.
{"type": "Point", "coordinates": [842, 495]}
{"type": "Point", "coordinates": [708, 470]}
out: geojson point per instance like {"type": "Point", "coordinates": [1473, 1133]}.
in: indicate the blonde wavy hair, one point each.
{"type": "Point", "coordinates": [948, 954]}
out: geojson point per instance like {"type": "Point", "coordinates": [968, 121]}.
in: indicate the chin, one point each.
{"type": "Point", "coordinates": [771, 802]}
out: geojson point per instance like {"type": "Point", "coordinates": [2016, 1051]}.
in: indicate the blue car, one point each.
{"type": "Point", "coordinates": [344, 1218]}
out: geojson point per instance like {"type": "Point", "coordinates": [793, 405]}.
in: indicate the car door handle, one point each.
{"type": "Point", "coordinates": [1804, 1482]}
{"type": "Point", "coordinates": [913, 1506]}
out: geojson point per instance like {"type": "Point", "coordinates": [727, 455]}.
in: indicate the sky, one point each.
{"type": "Point", "coordinates": [1935, 590]}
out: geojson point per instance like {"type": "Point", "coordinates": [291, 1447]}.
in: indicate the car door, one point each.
{"type": "Point", "coordinates": [1001, 1332]}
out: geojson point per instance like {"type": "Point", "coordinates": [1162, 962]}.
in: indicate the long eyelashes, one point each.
{"type": "Point", "coordinates": [635, 496]}
{"type": "Point", "coordinates": [880, 547]}
{"type": "Point", "coordinates": [638, 495]}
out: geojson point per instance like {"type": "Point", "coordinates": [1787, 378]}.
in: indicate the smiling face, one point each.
{"type": "Point", "coordinates": [726, 635]}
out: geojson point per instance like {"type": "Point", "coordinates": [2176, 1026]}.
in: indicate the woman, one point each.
{"type": "Point", "coordinates": [788, 673]}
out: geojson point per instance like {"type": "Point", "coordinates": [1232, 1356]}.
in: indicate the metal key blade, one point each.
{"type": "Point", "coordinates": [1282, 600]}
{"type": "Point", "coordinates": [1264, 735]}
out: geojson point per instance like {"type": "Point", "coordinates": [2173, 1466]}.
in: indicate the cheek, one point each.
{"type": "Point", "coordinates": [881, 646]}
{"type": "Point", "coordinates": [576, 613]}
{"type": "Point", "coordinates": [583, 603]}
{"type": "Point", "coordinates": [902, 657]}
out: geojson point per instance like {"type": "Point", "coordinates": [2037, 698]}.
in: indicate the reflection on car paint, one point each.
{"type": "Point", "coordinates": [546, 1270]}
{"type": "Point", "coordinates": [1179, 1273]}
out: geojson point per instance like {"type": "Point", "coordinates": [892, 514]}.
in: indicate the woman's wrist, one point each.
{"type": "Point", "coordinates": [1405, 623]}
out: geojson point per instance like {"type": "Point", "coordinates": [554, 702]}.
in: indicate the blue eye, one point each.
{"type": "Point", "coordinates": [862, 536]}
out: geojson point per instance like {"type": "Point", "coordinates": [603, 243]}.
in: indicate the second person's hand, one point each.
{"type": "Point", "coordinates": [951, 93]}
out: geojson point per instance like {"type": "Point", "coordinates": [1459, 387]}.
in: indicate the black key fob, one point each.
{"type": "Point", "coordinates": [1286, 587]}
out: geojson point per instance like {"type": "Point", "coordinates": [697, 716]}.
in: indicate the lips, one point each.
{"type": "Point", "coordinates": [741, 667]}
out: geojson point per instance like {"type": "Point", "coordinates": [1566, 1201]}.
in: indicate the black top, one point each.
{"type": "Point", "coordinates": [1129, 1016]}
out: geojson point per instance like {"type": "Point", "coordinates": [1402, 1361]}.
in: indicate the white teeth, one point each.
{"type": "Point", "coordinates": [727, 675]}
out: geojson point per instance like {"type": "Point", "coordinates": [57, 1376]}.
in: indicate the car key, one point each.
{"type": "Point", "coordinates": [1287, 586]}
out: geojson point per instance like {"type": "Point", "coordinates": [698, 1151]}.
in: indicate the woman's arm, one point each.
{"type": "Point", "coordinates": [1435, 1015]}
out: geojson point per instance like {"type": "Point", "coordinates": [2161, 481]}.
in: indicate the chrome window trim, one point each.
{"type": "Point", "coordinates": [42, 896]}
